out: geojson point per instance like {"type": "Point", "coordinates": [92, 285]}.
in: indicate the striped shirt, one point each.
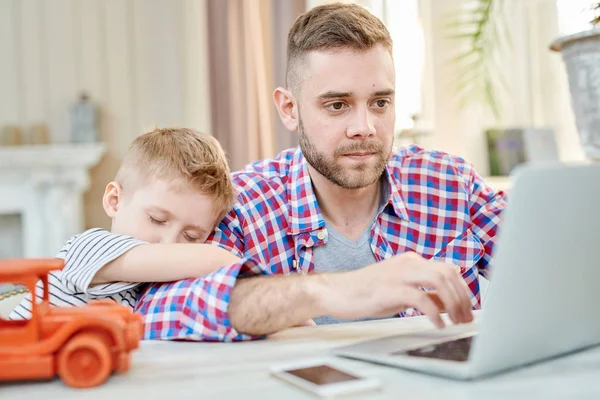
{"type": "Point", "coordinates": [84, 255]}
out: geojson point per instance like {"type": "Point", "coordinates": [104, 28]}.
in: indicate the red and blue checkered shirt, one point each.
{"type": "Point", "coordinates": [438, 207]}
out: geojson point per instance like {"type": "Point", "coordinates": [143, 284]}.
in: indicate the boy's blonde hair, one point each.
{"type": "Point", "coordinates": [179, 153]}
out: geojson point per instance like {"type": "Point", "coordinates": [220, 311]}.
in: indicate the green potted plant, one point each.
{"type": "Point", "coordinates": [581, 54]}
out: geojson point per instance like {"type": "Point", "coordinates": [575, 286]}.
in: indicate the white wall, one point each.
{"type": "Point", "coordinates": [142, 61]}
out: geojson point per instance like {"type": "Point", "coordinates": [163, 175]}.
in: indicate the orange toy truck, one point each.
{"type": "Point", "coordinates": [82, 345]}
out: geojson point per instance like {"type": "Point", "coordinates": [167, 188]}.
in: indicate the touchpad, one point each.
{"type": "Point", "coordinates": [454, 350]}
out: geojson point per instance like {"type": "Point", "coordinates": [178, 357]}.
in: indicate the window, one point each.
{"type": "Point", "coordinates": [403, 21]}
{"type": "Point", "coordinates": [574, 16]}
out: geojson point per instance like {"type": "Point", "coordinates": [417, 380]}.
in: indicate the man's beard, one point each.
{"type": "Point", "coordinates": [356, 177]}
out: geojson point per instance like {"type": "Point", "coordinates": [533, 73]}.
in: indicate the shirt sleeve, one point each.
{"type": "Point", "coordinates": [197, 309]}
{"type": "Point", "coordinates": [86, 253]}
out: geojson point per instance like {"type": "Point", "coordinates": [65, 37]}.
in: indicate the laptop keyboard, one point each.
{"type": "Point", "coordinates": [455, 350]}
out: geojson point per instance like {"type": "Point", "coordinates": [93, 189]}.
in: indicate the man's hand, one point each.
{"type": "Point", "coordinates": [389, 287]}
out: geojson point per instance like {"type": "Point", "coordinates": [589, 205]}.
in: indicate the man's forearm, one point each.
{"type": "Point", "coordinates": [267, 304]}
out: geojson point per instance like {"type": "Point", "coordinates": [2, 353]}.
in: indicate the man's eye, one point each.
{"type": "Point", "coordinates": [337, 106]}
{"type": "Point", "coordinates": [382, 103]}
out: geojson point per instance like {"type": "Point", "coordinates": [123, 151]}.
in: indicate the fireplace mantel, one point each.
{"type": "Point", "coordinates": [45, 186]}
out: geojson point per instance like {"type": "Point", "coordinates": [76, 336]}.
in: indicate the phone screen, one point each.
{"type": "Point", "coordinates": [322, 375]}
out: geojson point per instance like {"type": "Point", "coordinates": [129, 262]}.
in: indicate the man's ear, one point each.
{"type": "Point", "coordinates": [286, 106]}
{"type": "Point", "coordinates": [113, 195]}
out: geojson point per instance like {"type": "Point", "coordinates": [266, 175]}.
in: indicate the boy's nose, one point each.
{"type": "Point", "coordinates": [169, 238]}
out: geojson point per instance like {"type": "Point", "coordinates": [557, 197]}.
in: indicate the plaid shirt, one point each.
{"type": "Point", "coordinates": [437, 207]}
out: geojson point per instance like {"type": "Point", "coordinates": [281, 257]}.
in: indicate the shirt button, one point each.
{"type": "Point", "coordinates": [321, 235]}
{"type": "Point", "coordinates": [294, 264]}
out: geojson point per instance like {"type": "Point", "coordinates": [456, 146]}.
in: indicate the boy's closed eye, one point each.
{"type": "Point", "coordinates": [156, 220]}
{"type": "Point", "coordinates": [191, 238]}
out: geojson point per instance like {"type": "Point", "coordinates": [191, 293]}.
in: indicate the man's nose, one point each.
{"type": "Point", "coordinates": [362, 123]}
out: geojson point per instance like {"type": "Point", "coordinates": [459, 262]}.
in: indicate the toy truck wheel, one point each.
{"type": "Point", "coordinates": [124, 362]}
{"type": "Point", "coordinates": [84, 361]}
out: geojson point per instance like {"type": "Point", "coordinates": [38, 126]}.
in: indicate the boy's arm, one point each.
{"type": "Point", "coordinates": [89, 252]}
{"type": "Point", "coordinates": [23, 309]}
{"type": "Point", "coordinates": [164, 263]}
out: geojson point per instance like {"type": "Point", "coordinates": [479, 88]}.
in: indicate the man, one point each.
{"type": "Point", "coordinates": [344, 227]}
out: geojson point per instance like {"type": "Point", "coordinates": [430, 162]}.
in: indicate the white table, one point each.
{"type": "Point", "coordinates": [182, 370]}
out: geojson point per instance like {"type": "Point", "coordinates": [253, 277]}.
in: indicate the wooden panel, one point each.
{"type": "Point", "coordinates": [120, 98]}
{"type": "Point", "coordinates": [93, 65]}
{"type": "Point", "coordinates": [59, 58]}
{"type": "Point", "coordinates": [9, 70]}
{"type": "Point", "coordinates": [196, 103]}
{"type": "Point", "coordinates": [158, 62]}
{"type": "Point", "coordinates": [34, 93]}
{"type": "Point", "coordinates": [91, 49]}
{"type": "Point", "coordinates": [115, 48]}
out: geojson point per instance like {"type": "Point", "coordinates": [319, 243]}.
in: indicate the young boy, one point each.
{"type": "Point", "coordinates": [173, 187]}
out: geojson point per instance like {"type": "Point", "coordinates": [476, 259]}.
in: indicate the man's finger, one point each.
{"type": "Point", "coordinates": [446, 283]}
{"type": "Point", "coordinates": [425, 303]}
{"type": "Point", "coordinates": [464, 294]}
{"type": "Point", "coordinates": [436, 300]}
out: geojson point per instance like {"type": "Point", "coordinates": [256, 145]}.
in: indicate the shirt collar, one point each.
{"type": "Point", "coordinates": [304, 212]}
{"type": "Point", "coordinates": [395, 193]}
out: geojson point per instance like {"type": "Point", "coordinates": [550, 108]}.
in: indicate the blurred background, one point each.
{"type": "Point", "coordinates": [80, 79]}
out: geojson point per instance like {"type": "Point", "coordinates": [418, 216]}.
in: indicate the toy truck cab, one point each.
{"type": "Point", "coordinates": [82, 345]}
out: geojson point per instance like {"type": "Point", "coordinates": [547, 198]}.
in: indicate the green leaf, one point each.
{"type": "Point", "coordinates": [480, 28]}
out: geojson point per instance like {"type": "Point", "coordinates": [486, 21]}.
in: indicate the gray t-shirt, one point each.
{"type": "Point", "coordinates": [342, 254]}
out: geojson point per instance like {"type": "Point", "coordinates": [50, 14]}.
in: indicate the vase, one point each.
{"type": "Point", "coordinates": [581, 55]}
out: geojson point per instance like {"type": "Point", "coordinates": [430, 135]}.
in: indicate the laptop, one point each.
{"type": "Point", "coordinates": [544, 291]}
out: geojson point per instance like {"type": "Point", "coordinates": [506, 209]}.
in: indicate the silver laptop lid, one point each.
{"type": "Point", "coordinates": [545, 281]}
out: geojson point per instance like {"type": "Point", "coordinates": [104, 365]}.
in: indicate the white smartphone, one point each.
{"type": "Point", "coordinates": [324, 378]}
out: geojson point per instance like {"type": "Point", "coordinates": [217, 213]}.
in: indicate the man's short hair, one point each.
{"type": "Point", "coordinates": [194, 158]}
{"type": "Point", "coordinates": [330, 27]}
